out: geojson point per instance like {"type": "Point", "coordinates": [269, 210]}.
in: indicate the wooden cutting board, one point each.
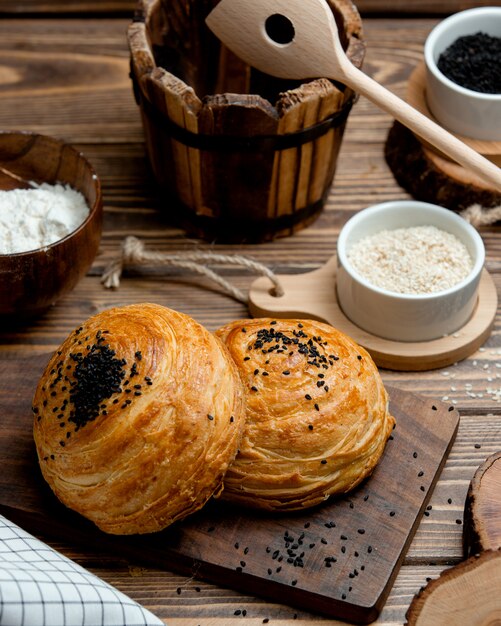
{"type": "Point", "coordinates": [339, 559]}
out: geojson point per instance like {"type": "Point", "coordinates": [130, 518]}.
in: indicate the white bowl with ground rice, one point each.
{"type": "Point", "coordinates": [463, 63]}
{"type": "Point", "coordinates": [408, 270]}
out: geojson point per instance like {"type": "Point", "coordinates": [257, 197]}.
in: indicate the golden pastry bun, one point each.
{"type": "Point", "coordinates": [137, 417]}
{"type": "Point", "coordinates": [317, 413]}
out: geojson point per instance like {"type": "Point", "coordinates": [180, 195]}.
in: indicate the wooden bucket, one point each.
{"type": "Point", "coordinates": [239, 155]}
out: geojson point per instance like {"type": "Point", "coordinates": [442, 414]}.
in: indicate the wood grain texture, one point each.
{"type": "Point", "coordinates": [45, 65]}
{"type": "Point", "coordinates": [127, 6]}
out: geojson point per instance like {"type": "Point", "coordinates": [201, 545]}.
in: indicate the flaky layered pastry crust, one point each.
{"type": "Point", "coordinates": [317, 413]}
{"type": "Point", "coordinates": [137, 417]}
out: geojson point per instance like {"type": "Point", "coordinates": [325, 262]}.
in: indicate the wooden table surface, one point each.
{"type": "Point", "coordinates": [64, 72]}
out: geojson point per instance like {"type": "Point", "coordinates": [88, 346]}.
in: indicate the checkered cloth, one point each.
{"type": "Point", "coordinates": [41, 587]}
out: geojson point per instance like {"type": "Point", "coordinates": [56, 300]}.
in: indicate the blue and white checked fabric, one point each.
{"type": "Point", "coordinates": [41, 587]}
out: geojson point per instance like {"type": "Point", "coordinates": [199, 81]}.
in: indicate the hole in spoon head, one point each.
{"type": "Point", "coordinates": [279, 29]}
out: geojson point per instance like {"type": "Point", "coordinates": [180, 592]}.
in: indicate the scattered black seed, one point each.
{"type": "Point", "coordinates": [286, 372]}
{"type": "Point", "coordinates": [310, 426]}
{"type": "Point", "coordinates": [279, 569]}
{"type": "Point", "coordinates": [307, 525]}
{"type": "Point", "coordinates": [366, 497]}
{"type": "Point", "coordinates": [256, 372]}
{"type": "Point", "coordinates": [266, 620]}
{"type": "Point", "coordinates": [324, 541]}
{"type": "Point", "coordinates": [433, 407]}
{"type": "Point", "coordinates": [421, 473]}
{"type": "Point", "coordinates": [210, 417]}
{"type": "Point", "coordinates": [247, 358]}
{"type": "Point", "coordinates": [451, 408]}
{"type": "Point", "coordinates": [449, 500]}
{"type": "Point", "coordinates": [52, 457]}
{"type": "Point", "coordinates": [244, 612]}
{"type": "Point", "coordinates": [270, 571]}
{"type": "Point", "coordinates": [422, 488]}
{"type": "Point", "coordinates": [246, 550]}
{"type": "Point", "coordinates": [343, 596]}
{"type": "Point", "coordinates": [414, 455]}
{"type": "Point", "coordinates": [458, 521]}
{"type": "Point", "coordinates": [352, 506]}
{"type": "Point", "coordinates": [294, 582]}
{"type": "Point", "coordinates": [361, 531]}
{"type": "Point", "coordinates": [254, 388]}
{"type": "Point", "coordinates": [178, 591]}
{"type": "Point", "coordinates": [343, 549]}
{"type": "Point", "coordinates": [243, 563]}
{"type": "Point", "coordinates": [317, 408]}
{"type": "Point", "coordinates": [307, 396]}
{"type": "Point", "coordinates": [477, 446]}
{"type": "Point", "coordinates": [369, 549]}
{"type": "Point", "coordinates": [323, 461]}
{"type": "Point", "coordinates": [237, 612]}
{"type": "Point", "coordinates": [392, 513]}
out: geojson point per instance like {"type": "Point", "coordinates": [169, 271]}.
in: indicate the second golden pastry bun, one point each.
{"type": "Point", "coordinates": [317, 413]}
{"type": "Point", "coordinates": [137, 417]}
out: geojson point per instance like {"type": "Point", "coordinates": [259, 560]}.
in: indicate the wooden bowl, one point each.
{"type": "Point", "coordinates": [30, 282]}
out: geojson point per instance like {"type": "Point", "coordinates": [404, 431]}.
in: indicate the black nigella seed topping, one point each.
{"type": "Point", "coordinates": [421, 473]}
{"type": "Point", "coordinates": [359, 357]}
{"type": "Point", "coordinates": [310, 426]}
{"type": "Point", "coordinates": [433, 407]}
{"type": "Point", "coordinates": [98, 375]}
{"type": "Point", "coordinates": [307, 396]}
{"type": "Point", "coordinates": [323, 461]}
{"type": "Point", "coordinates": [211, 417]}
{"type": "Point", "coordinates": [392, 513]}
{"type": "Point", "coordinates": [286, 372]}
{"type": "Point", "coordinates": [256, 372]}
{"type": "Point", "coordinates": [317, 408]}
{"type": "Point", "coordinates": [253, 388]}
{"type": "Point", "coordinates": [414, 455]}
{"type": "Point", "coordinates": [138, 355]}
{"type": "Point", "coordinates": [232, 419]}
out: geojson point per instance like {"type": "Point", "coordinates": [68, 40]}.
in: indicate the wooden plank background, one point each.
{"type": "Point", "coordinates": [126, 7]}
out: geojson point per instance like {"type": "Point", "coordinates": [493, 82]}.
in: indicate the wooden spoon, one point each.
{"type": "Point", "coordinates": [299, 39]}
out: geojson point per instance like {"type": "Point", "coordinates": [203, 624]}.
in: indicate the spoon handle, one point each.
{"type": "Point", "coordinates": [421, 125]}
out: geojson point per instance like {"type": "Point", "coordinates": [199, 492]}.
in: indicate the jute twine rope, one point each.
{"type": "Point", "coordinates": [480, 216]}
{"type": "Point", "coordinates": [134, 254]}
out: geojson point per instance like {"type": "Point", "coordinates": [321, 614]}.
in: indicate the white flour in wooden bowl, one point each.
{"type": "Point", "coordinates": [414, 260]}
{"type": "Point", "coordinates": [35, 218]}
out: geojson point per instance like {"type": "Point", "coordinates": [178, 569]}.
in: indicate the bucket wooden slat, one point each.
{"type": "Point", "coordinates": [234, 165]}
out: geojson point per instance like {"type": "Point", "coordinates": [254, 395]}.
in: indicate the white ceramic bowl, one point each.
{"type": "Point", "coordinates": [460, 110]}
{"type": "Point", "coordinates": [406, 317]}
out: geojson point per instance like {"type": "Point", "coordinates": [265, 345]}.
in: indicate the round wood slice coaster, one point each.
{"type": "Point", "coordinates": [429, 175]}
{"type": "Point", "coordinates": [465, 594]}
{"type": "Point", "coordinates": [482, 514]}
{"type": "Point", "coordinates": [431, 178]}
{"type": "Point", "coordinates": [416, 97]}
{"type": "Point", "coordinates": [313, 295]}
